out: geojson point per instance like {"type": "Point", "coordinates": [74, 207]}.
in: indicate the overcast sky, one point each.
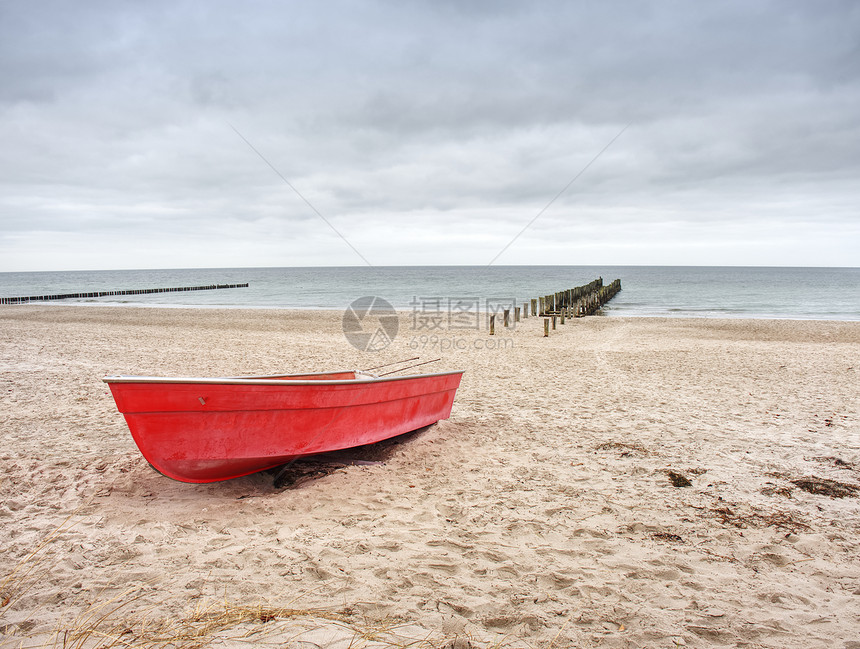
{"type": "Point", "coordinates": [147, 134]}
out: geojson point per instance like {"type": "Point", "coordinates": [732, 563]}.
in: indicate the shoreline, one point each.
{"type": "Point", "coordinates": [402, 312]}
{"type": "Point", "coordinates": [658, 291]}
{"type": "Point", "coordinates": [542, 511]}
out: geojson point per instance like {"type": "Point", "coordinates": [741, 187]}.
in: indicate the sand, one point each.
{"type": "Point", "coordinates": [541, 514]}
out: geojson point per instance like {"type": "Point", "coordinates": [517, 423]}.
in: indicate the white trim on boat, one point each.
{"type": "Point", "coordinates": [267, 380]}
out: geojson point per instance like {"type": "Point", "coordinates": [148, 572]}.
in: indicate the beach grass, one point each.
{"type": "Point", "coordinates": [128, 620]}
{"type": "Point", "coordinates": [125, 621]}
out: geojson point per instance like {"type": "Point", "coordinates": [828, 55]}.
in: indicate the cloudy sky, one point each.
{"type": "Point", "coordinates": [221, 134]}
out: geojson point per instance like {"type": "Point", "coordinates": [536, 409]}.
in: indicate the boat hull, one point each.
{"type": "Point", "coordinates": [206, 430]}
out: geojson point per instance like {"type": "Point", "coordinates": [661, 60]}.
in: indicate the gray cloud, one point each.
{"type": "Point", "coordinates": [436, 128]}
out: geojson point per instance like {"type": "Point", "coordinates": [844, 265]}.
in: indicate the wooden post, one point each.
{"type": "Point", "coordinates": [516, 314]}
{"type": "Point", "coordinates": [562, 314]}
{"type": "Point", "coordinates": [542, 306]}
{"type": "Point", "coordinates": [553, 323]}
{"type": "Point", "coordinates": [507, 315]}
{"type": "Point", "coordinates": [492, 325]}
{"type": "Point", "coordinates": [546, 327]}
{"type": "Point", "coordinates": [534, 308]}
{"type": "Point", "coordinates": [525, 309]}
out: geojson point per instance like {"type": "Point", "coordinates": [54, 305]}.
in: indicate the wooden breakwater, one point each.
{"type": "Point", "coordinates": [572, 303]}
{"type": "Point", "coordinates": [579, 301]}
{"type": "Point", "coordinates": [133, 291]}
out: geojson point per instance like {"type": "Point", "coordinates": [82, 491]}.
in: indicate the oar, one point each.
{"type": "Point", "coordinates": [405, 360]}
{"type": "Point", "coordinates": [409, 367]}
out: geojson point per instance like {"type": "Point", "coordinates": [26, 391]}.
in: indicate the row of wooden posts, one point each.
{"type": "Point", "coordinates": [572, 303]}
{"type": "Point", "coordinates": [135, 291]}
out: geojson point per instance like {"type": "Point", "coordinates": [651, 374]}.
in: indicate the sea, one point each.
{"type": "Point", "coordinates": [679, 291]}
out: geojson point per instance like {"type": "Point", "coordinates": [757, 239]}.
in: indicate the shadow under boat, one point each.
{"type": "Point", "coordinates": [309, 468]}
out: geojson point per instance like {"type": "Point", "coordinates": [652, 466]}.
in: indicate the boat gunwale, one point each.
{"type": "Point", "coordinates": [268, 380]}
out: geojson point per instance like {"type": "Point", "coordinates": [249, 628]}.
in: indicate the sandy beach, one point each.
{"type": "Point", "coordinates": [543, 513]}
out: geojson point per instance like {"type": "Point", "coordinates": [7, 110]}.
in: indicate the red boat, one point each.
{"type": "Point", "coordinates": [210, 429]}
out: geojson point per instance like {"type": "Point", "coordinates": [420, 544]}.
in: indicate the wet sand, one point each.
{"type": "Point", "coordinates": [542, 513]}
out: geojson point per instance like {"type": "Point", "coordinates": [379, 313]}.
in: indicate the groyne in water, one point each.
{"type": "Point", "coordinates": [579, 301]}
{"type": "Point", "coordinates": [571, 303]}
{"type": "Point", "coordinates": [133, 291]}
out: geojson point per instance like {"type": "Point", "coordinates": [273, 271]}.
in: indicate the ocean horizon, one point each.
{"type": "Point", "coordinates": [679, 291]}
